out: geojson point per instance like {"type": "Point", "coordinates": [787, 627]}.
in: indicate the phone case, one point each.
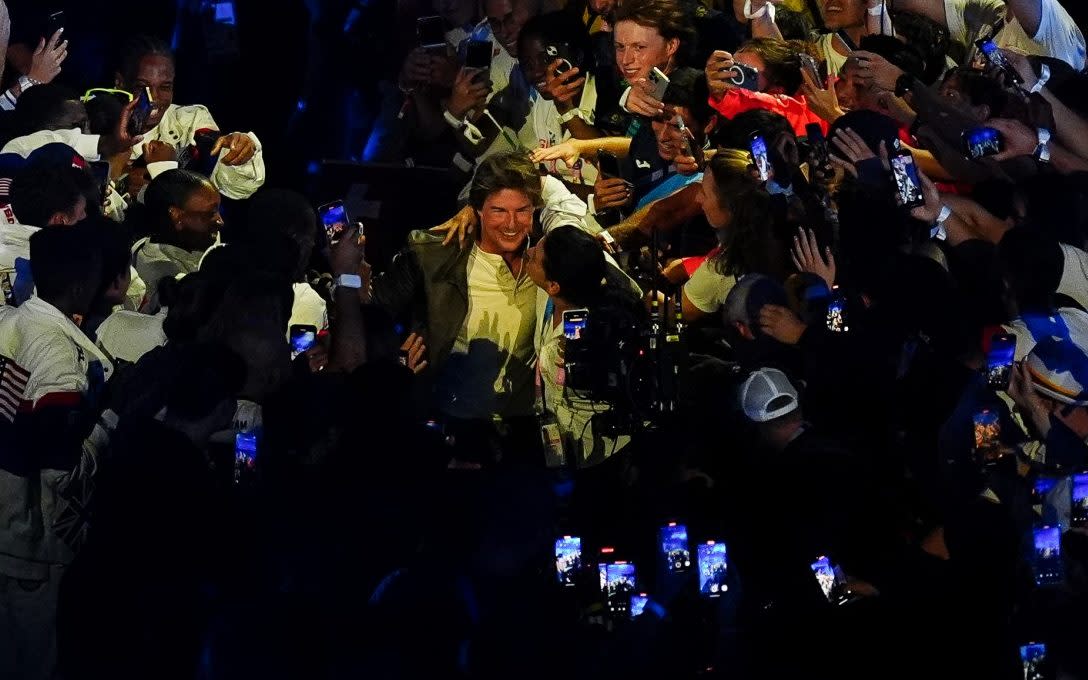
{"type": "Point", "coordinates": [660, 82]}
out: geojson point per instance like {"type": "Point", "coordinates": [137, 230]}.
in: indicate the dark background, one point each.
{"type": "Point", "coordinates": [302, 74]}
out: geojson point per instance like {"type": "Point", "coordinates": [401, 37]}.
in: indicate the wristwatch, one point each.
{"type": "Point", "coordinates": [347, 281]}
{"type": "Point", "coordinates": [903, 85]}
{"type": "Point", "coordinates": [1042, 149]}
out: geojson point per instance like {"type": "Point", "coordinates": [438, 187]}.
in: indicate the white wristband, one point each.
{"type": "Point", "coordinates": [943, 216]}
{"type": "Point", "coordinates": [452, 120]}
{"type": "Point", "coordinates": [766, 9]}
{"type": "Point", "coordinates": [1042, 150]}
{"type": "Point", "coordinates": [1044, 76]}
{"type": "Point", "coordinates": [571, 115]}
{"type": "Point", "coordinates": [623, 99]}
{"type": "Point", "coordinates": [470, 131]}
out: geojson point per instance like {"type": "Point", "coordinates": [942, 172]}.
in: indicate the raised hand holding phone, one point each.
{"type": "Point", "coordinates": [349, 253]}
{"type": "Point", "coordinates": [718, 72]}
{"type": "Point", "coordinates": [646, 94]}
{"type": "Point", "coordinates": [1018, 139]}
{"type": "Point", "coordinates": [611, 192]}
{"type": "Point", "coordinates": [689, 160]}
{"type": "Point", "coordinates": [930, 210]}
{"type": "Point", "coordinates": [563, 86]}
{"type": "Point", "coordinates": [1027, 400]}
{"type": "Point", "coordinates": [47, 58]}
{"type": "Point", "coordinates": [416, 69]}
{"type": "Point", "coordinates": [821, 96]}
{"type": "Point", "coordinates": [470, 90]}
{"type": "Point", "coordinates": [122, 138]}
{"type": "Point", "coordinates": [1018, 62]}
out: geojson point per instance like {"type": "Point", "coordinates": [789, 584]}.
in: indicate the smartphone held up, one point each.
{"type": "Point", "coordinates": [908, 183]}
{"type": "Point", "coordinates": [335, 220]}
{"type": "Point", "coordinates": [431, 32]}
{"type": "Point", "coordinates": [137, 119]}
{"type": "Point", "coordinates": [302, 338]}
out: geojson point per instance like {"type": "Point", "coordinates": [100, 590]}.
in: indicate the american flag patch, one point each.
{"type": "Point", "coordinates": [13, 380]}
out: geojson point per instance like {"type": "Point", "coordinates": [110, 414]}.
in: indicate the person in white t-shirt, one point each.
{"type": "Point", "coordinates": [1039, 27]}
{"type": "Point", "coordinates": [562, 105]}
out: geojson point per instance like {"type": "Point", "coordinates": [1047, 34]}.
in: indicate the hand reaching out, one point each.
{"type": "Point", "coordinates": [459, 226]}
{"type": "Point", "coordinates": [1027, 400]}
{"type": "Point", "coordinates": [416, 69]}
{"type": "Point", "coordinates": [807, 256]}
{"type": "Point", "coordinates": [120, 139]}
{"type": "Point", "coordinates": [563, 88]}
{"type": "Point", "coordinates": [852, 146]}
{"type": "Point", "coordinates": [641, 102]}
{"type": "Point", "coordinates": [1020, 140]}
{"type": "Point", "coordinates": [470, 90]}
{"type": "Point", "coordinates": [781, 324]}
{"type": "Point", "coordinates": [46, 61]}
{"type": "Point", "coordinates": [239, 147]}
{"type": "Point", "coordinates": [856, 151]}
{"type": "Point", "coordinates": [414, 353]}
{"type": "Point", "coordinates": [719, 73]}
{"type": "Point", "coordinates": [874, 69]}
{"type": "Point", "coordinates": [1019, 63]}
{"type": "Point", "coordinates": [929, 212]}
{"type": "Point", "coordinates": [566, 151]}
{"type": "Point", "coordinates": [822, 99]}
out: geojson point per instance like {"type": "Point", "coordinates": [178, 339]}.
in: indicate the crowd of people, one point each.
{"type": "Point", "coordinates": [804, 282]}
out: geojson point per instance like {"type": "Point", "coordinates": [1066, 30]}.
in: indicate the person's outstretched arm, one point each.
{"type": "Point", "coordinates": [348, 349]}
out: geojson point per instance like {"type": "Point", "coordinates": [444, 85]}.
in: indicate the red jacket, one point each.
{"type": "Point", "coordinates": [795, 109]}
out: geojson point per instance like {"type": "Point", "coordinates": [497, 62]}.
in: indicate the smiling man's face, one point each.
{"type": "Point", "coordinates": [505, 221]}
{"type": "Point", "coordinates": [843, 13]}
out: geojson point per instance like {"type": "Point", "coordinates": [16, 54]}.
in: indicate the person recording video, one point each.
{"type": "Point", "coordinates": [573, 273]}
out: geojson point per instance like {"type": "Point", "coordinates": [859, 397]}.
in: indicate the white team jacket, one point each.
{"type": "Point", "coordinates": [178, 128]}
{"type": "Point", "coordinates": [55, 358]}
